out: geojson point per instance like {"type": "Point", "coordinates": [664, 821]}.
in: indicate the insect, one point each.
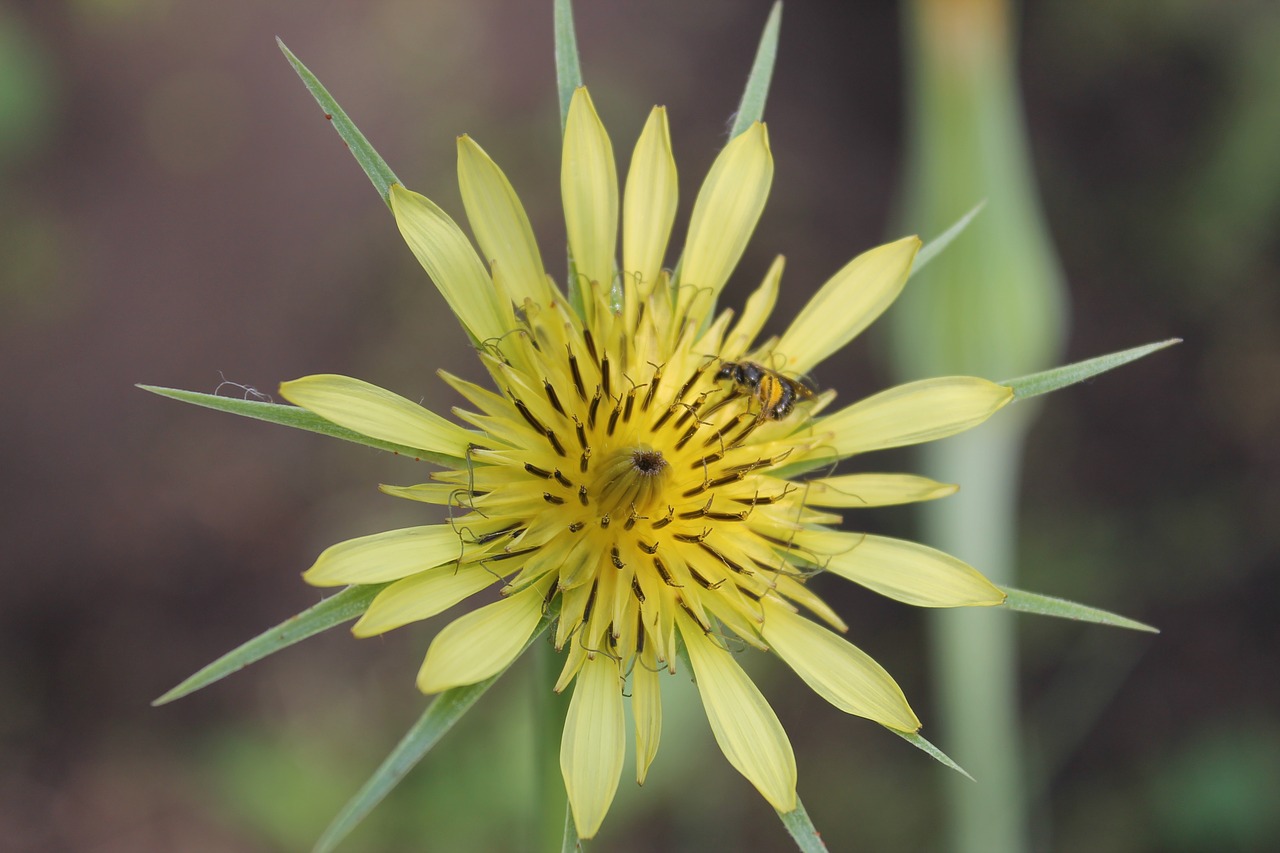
{"type": "Point", "coordinates": [777, 394]}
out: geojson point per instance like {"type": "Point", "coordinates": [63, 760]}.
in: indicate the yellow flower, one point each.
{"type": "Point", "coordinates": [641, 461]}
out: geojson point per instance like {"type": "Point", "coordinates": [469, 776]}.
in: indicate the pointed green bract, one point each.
{"type": "Point", "coordinates": [935, 246]}
{"type": "Point", "coordinates": [374, 166]}
{"type": "Point", "coordinates": [923, 745]}
{"type": "Point", "coordinates": [439, 718]}
{"type": "Point", "coordinates": [1030, 602]}
{"type": "Point", "coordinates": [1061, 377]}
{"type": "Point", "coordinates": [571, 844]}
{"type": "Point", "coordinates": [298, 418]}
{"type": "Point", "coordinates": [801, 828]}
{"type": "Point", "coordinates": [334, 610]}
{"type": "Point", "coordinates": [751, 108]}
{"type": "Point", "coordinates": [568, 66]}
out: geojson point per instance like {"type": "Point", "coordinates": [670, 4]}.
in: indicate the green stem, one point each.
{"type": "Point", "coordinates": [974, 651]}
{"type": "Point", "coordinates": [549, 710]}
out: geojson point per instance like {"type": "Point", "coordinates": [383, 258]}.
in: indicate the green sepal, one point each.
{"type": "Point", "coordinates": [374, 166]}
{"type": "Point", "coordinates": [1060, 377]}
{"type": "Point", "coordinates": [571, 843]}
{"type": "Point", "coordinates": [568, 65]}
{"type": "Point", "coordinates": [441, 715]}
{"type": "Point", "coordinates": [1030, 602]}
{"type": "Point", "coordinates": [751, 107]}
{"type": "Point", "coordinates": [801, 828]}
{"type": "Point", "coordinates": [299, 418]}
{"type": "Point", "coordinates": [934, 247]}
{"type": "Point", "coordinates": [334, 610]}
{"type": "Point", "coordinates": [925, 746]}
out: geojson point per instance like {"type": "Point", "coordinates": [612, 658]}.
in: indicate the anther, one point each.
{"type": "Point", "coordinates": [591, 343]}
{"type": "Point", "coordinates": [604, 522]}
{"type": "Point", "coordinates": [700, 512]}
{"type": "Point", "coordinates": [626, 411]}
{"type": "Point", "coordinates": [689, 537]}
{"type": "Point", "coordinates": [703, 581]}
{"type": "Point", "coordinates": [552, 499]}
{"type": "Point", "coordinates": [584, 460]}
{"type": "Point", "coordinates": [595, 407]}
{"type": "Point", "coordinates": [613, 420]}
{"type": "Point", "coordinates": [647, 548]}
{"type": "Point", "coordinates": [526, 414]}
{"type": "Point", "coordinates": [582, 495]}
{"type": "Point", "coordinates": [581, 431]}
{"type": "Point", "coordinates": [604, 373]}
{"type": "Point", "coordinates": [662, 571]}
{"type": "Point", "coordinates": [552, 397]}
{"type": "Point", "coordinates": [617, 558]}
{"type": "Point", "coordinates": [576, 526]}
{"type": "Point", "coordinates": [555, 442]}
{"type": "Point", "coordinates": [562, 479]}
{"type": "Point", "coordinates": [577, 375]}
{"type": "Point", "coordinates": [537, 472]}
{"type": "Point", "coordinates": [653, 388]}
{"type": "Point", "coordinates": [637, 592]}
{"type": "Point", "coordinates": [665, 520]}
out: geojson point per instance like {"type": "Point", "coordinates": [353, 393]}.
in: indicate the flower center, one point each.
{"type": "Point", "coordinates": [631, 480]}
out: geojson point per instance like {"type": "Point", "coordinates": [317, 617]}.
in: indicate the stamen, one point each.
{"type": "Point", "coordinates": [576, 526]}
{"type": "Point", "coordinates": [703, 581]}
{"type": "Point", "coordinates": [665, 520]}
{"type": "Point", "coordinates": [647, 548]}
{"type": "Point", "coordinates": [552, 499]}
{"type": "Point", "coordinates": [582, 495]}
{"type": "Point", "coordinates": [689, 537]}
{"type": "Point", "coordinates": [591, 343]}
{"type": "Point", "coordinates": [631, 399]}
{"type": "Point", "coordinates": [581, 431]}
{"type": "Point", "coordinates": [604, 374]}
{"type": "Point", "coordinates": [583, 460]}
{"type": "Point", "coordinates": [552, 397]}
{"type": "Point", "coordinates": [537, 472]}
{"type": "Point", "coordinates": [653, 388]}
{"type": "Point", "coordinates": [617, 558]}
{"type": "Point", "coordinates": [562, 479]}
{"type": "Point", "coordinates": [662, 571]}
{"type": "Point", "coordinates": [595, 407]}
{"type": "Point", "coordinates": [637, 591]}
{"type": "Point", "coordinates": [613, 419]}
{"type": "Point", "coordinates": [526, 414]}
{"type": "Point", "coordinates": [700, 512]}
{"type": "Point", "coordinates": [604, 522]}
{"type": "Point", "coordinates": [577, 375]}
{"type": "Point", "coordinates": [555, 442]}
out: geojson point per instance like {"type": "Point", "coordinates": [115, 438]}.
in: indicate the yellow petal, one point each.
{"type": "Point", "coordinates": [500, 224]}
{"type": "Point", "coordinates": [589, 188]}
{"type": "Point", "coordinates": [385, 556]}
{"type": "Point", "coordinates": [861, 490]}
{"type": "Point", "coordinates": [744, 725]}
{"type": "Point", "coordinates": [758, 308]}
{"type": "Point", "coordinates": [446, 254]}
{"type": "Point", "coordinates": [422, 596]}
{"type": "Point", "coordinates": [849, 302]}
{"type": "Point", "coordinates": [593, 745]}
{"type": "Point", "coordinates": [913, 413]}
{"type": "Point", "coordinates": [726, 212]}
{"type": "Point", "coordinates": [838, 671]}
{"type": "Point", "coordinates": [906, 571]}
{"type": "Point", "coordinates": [376, 412]}
{"type": "Point", "coordinates": [482, 643]}
{"type": "Point", "coordinates": [649, 204]}
{"type": "Point", "coordinates": [646, 707]}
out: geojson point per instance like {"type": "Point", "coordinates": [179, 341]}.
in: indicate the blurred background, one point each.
{"type": "Point", "coordinates": [174, 210]}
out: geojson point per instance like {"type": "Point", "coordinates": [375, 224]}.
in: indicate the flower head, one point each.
{"type": "Point", "coordinates": [640, 464]}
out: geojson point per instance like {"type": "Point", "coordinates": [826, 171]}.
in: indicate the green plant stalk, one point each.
{"type": "Point", "coordinates": [974, 651]}
{"type": "Point", "coordinates": [992, 304]}
{"type": "Point", "coordinates": [549, 710]}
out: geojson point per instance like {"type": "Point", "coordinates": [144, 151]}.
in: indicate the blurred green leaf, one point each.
{"type": "Point", "coordinates": [1060, 377]}
{"type": "Point", "coordinates": [751, 107]}
{"type": "Point", "coordinates": [801, 828]}
{"type": "Point", "coordinates": [374, 166]}
{"type": "Point", "coordinates": [1030, 602]}
{"type": "Point", "coordinates": [334, 610]}
{"type": "Point", "coordinates": [568, 66]}
{"type": "Point", "coordinates": [920, 743]}
{"type": "Point", "coordinates": [930, 250]}
{"type": "Point", "coordinates": [299, 418]}
{"type": "Point", "coordinates": [441, 715]}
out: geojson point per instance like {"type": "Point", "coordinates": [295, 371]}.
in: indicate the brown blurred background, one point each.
{"type": "Point", "coordinates": [174, 210]}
